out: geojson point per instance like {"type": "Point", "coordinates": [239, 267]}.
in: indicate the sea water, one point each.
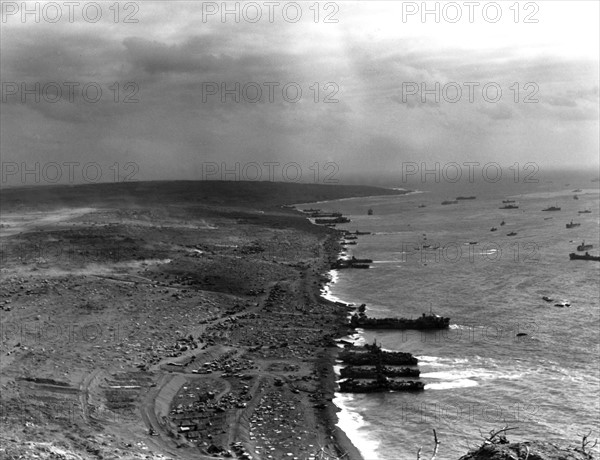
{"type": "Point", "coordinates": [479, 375]}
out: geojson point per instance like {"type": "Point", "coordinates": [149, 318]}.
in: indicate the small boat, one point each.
{"type": "Point", "coordinates": [587, 211]}
{"type": "Point", "coordinates": [450, 202]}
{"type": "Point", "coordinates": [586, 256]}
{"type": "Point", "coordinates": [511, 234]}
{"type": "Point", "coordinates": [502, 223]}
{"type": "Point", "coordinates": [548, 299]}
{"type": "Point", "coordinates": [493, 229]}
{"type": "Point", "coordinates": [584, 247]}
{"type": "Point", "coordinates": [370, 212]}
{"type": "Point", "coordinates": [466, 197]}
{"type": "Point", "coordinates": [573, 224]}
{"type": "Point", "coordinates": [563, 303]}
{"type": "Point", "coordinates": [508, 201]}
{"type": "Point", "coordinates": [552, 208]}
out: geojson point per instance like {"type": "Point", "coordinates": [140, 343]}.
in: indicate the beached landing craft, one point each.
{"type": "Point", "coordinates": [380, 385]}
{"type": "Point", "coordinates": [374, 355]}
{"type": "Point", "coordinates": [370, 355]}
{"type": "Point", "coordinates": [424, 322]}
{"type": "Point", "coordinates": [351, 263]}
{"type": "Point", "coordinates": [334, 220]}
{"type": "Point", "coordinates": [358, 372]}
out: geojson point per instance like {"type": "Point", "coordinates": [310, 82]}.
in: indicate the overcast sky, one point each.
{"type": "Point", "coordinates": [372, 61]}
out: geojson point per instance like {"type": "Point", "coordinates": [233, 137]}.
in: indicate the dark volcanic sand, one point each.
{"type": "Point", "coordinates": [168, 320]}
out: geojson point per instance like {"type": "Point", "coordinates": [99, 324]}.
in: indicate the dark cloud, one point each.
{"type": "Point", "coordinates": [170, 56]}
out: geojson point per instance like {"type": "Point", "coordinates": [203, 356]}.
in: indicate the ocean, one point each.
{"type": "Point", "coordinates": [479, 374]}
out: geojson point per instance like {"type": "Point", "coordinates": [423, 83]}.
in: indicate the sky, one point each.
{"type": "Point", "coordinates": [147, 90]}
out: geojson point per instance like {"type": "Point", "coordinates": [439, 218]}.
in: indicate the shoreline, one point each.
{"type": "Point", "coordinates": [342, 442]}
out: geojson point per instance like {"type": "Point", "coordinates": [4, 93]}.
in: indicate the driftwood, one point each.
{"type": "Point", "coordinates": [491, 439]}
{"type": "Point", "coordinates": [323, 454]}
{"type": "Point", "coordinates": [585, 444]}
{"type": "Point", "coordinates": [435, 448]}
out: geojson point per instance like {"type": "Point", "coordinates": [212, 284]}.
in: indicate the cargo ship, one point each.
{"type": "Point", "coordinates": [586, 256]}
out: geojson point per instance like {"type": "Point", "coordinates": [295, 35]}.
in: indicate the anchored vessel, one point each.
{"type": "Point", "coordinates": [509, 206]}
{"type": "Point", "coordinates": [584, 247]}
{"type": "Point", "coordinates": [424, 322]}
{"type": "Point", "coordinates": [450, 202]}
{"type": "Point", "coordinates": [552, 208]}
{"type": "Point", "coordinates": [573, 224]}
{"type": "Point", "coordinates": [586, 256]}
